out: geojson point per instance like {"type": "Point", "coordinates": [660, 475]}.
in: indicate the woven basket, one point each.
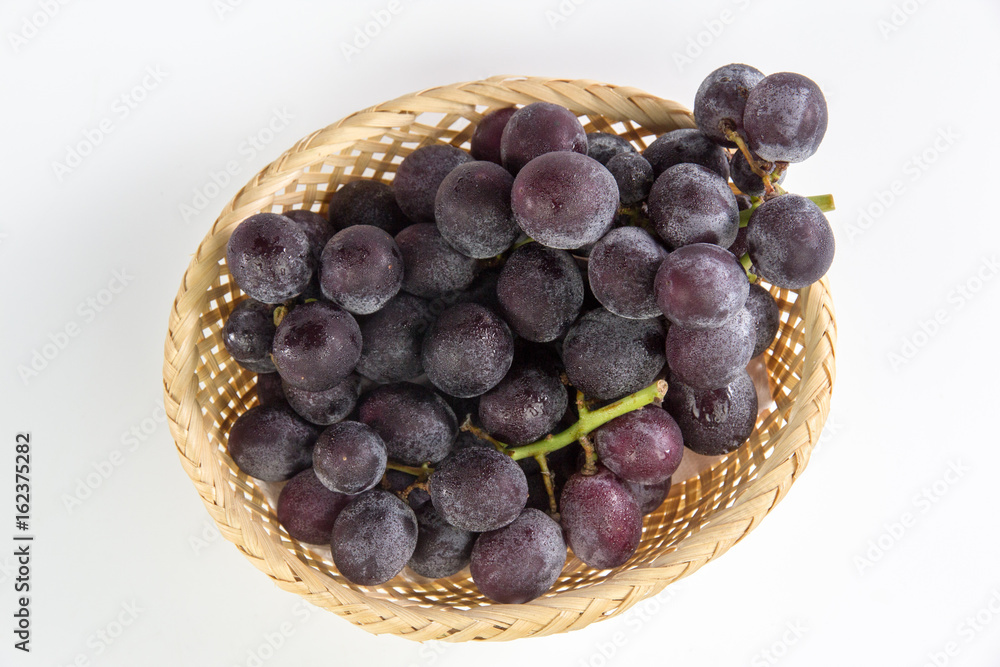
{"type": "Point", "coordinates": [703, 516]}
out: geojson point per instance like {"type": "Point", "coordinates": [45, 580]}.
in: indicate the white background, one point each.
{"type": "Point", "coordinates": [913, 96]}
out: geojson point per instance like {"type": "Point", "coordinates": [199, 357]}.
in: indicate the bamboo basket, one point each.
{"type": "Point", "coordinates": [701, 519]}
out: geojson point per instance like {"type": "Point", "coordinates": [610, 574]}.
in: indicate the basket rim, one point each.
{"type": "Point", "coordinates": [561, 611]}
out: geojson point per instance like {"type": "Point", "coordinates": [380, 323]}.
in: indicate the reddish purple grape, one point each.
{"type": "Point", "coordinates": [472, 209]}
{"type": "Point", "coordinates": [316, 346]}
{"type": "Point", "coordinates": [361, 269]}
{"type": "Point", "coordinates": [539, 128]}
{"type": "Point", "coordinates": [686, 146]}
{"type": "Point", "coordinates": [622, 271]}
{"type": "Point", "coordinates": [721, 98]}
{"type": "Point", "coordinates": [432, 268]}
{"type": "Point", "coordinates": [415, 423]}
{"type": "Point", "coordinates": [744, 177]}
{"type": "Point", "coordinates": [649, 496]}
{"type": "Point", "coordinates": [643, 446]}
{"type": "Point", "coordinates": [419, 175]}
{"type": "Point", "coordinates": [701, 286]}
{"type": "Point", "coordinates": [741, 245]}
{"type": "Point", "coordinates": [601, 519]}
{"type": "Point", "coordinates": [467, 351]}
{"type": "Point", "coordinates": [269, 390]}
{"type": "Point", "coordinates": [634, 176]}
{"type": "Point", "coordinates": [248, 335]}
{"type": "Point", "coordinates": [485, 142]}
{"type": "Point", "coordinates": [399, 481]}
{"type": "Point", "coordinates": [317, 228]}
{"type": "Point", "coordinates": [478, 489]}
{"type": "Point", "coordinates": [785, 117]}
{"type": "Point", "coordinates": [308, 510]}
{"type": "Point", "coordinates": [540, 292]}
{"type": "Point", "coordinates": [711, 358]}
{"type": "Point", "coordinates": [791, 241]}
{"type": "Point", "coordinates": [373, 538]}
{"type": "Point", "coordinates": [349, 457]}
{"type": "Point", "coordinates": [367, 202]}
{"type": "Point", "coordinates": [442, 549]}
{"type": "Point", "coordinates": [392, 340]}
{"type": "Point", "coordinates": [603, 146]}
{"type": "Point", "coordinates": [521, 561]}
{"type": "Point", "coordinates": [525, 406]}
{"type": "Point", "coordinates": [271, 443]}
{"type": "Point", "coordinates": [714, 421]}
{"type": "Point", "coordinates": [324, 407]}
{"type": "Point", "coordinates": [766, 317]}
{"type": "Point", "coordinates": [691, 204]}
{"type": "Point", "coordinates": [270, 258]}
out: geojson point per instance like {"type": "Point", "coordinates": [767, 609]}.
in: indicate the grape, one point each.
{"type": "Point", "coordinates": [468, 439]}
{"type": "Point", "coordinates": [766, 317]}
{"type": "Point", "coordinates": [743, 202]}
{"type": "Point", "coordinates": [785, 117]}
{"type": "Point", "coordinates": [634, 176]}
{"type": "Point", "coordinates": [317, 228]}
{"type": "Point", "coordinates": [521, 561]}
{"type": "Point", "coordinates": [472, 209]}
{"type": "Point", "coordinates": [744, 178]}
{"type": "Point", "coordinates": [721, 98]}
{"type": "Point", "coordinates": [691, 204]}
{"type": "Point", "coordinates": [307, 509]}
{"type": "Point", "coordinates": [415, 423]}
{"type": "Point", "coordinates": [467, 351]}
{"type": "Point", "coordinates": [316, 346]}
{"type": "Point", "coordinates": [701, 286]}
{"type": "Point", "coordinates": [392, 339]}
{"type": "Point", "coordinates": [442, 549]}
{"type": "Point", "coordinates": [538, 128]}
{"type": "Point", "coordinates": [432, 267]}
{"type": "Point", "coordinates": [564, 199]}
{"type": "Point", "coordinates": [248, 335]}
{"type": "Point", "coordinates": [608, 357]}
{"type": "Point", "coordinates": [526, 405]}
{"type": "Point", "coordinates": [419, 175]}
{"type": "Point", "coordinates": [711, 358]}
{"type": "Point", "coordinates": [349, 457]}
{"type": "Point", "coordinates": [649, 496]}
{"type": "Point", "coordinates": [714, 421]}
{"type": "Point", "coordinates": [485, 142]}
{"type": "Point", "coordinates": [478, 489]}
{"type": "Point", "coordinates": [791, 242]}
{"type": "Point", "coordinates": [373, 538]}
{"type": "Point", "coordinates": [540, 292]}
{"type": "Point", "coordinates": [367, 202]}
{"type": "Point", "coordinates": [324, 407]}
{"type": "Point", "coordinates": [271, 443]}
{"type": "Point", "coordinates": [643, 446]}
{"type": "Point", "coordinates": [601, 519]}
{"type": "Point", "coordinates": [398, 481]}
{"type": "Point", "coordinates": [361, 269]}
{"type": "Point", "coordinates": [603, 146]}
{"type": "Point", "coordinates": [741, 245]}
{"type": "Point", "coordinates": [622, 270]}
{"type": "Point", "coordinates": [269, 391]}
{"type": "Point", "coordinates": [686, 146]}
{"type": "Point", "coordinates": [269, 257]}
{"type": "Point", "coordinates": [483, 291]}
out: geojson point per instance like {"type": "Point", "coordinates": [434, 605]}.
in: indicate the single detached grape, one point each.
{"type": "Point", "coordinates": [538, 128]}
{"type": "Point", "coordinates": [745, 179]}
{"type": "Point", "coordinates": [271, 443]}
{"type": "Point", "coordinates": [349, 457]}
{"type": "Point", "coordinates": [526, 405]}
{"type": "Point", "coordinates": [361, 269]}
{"type": "Point", "coordinates": [485, 142]}
{"type": "Point", "coordinates": [785, 117]}
{"type": "Point", "coordinates": [307, 509]}
{"type": "Point", "coordinates": [373, 538]}
{"type": "Point", "coordinates": [442, 549]}
{"type": "Point", "coordinates": [649, 496]}
{"type": "Point", "coordinates": [711, 358]}
{"type": "Point", "coordinates": [520, 561]}
{"type": "Point", "coordinates": [564, 199]}
{"type": "Point", "coordinates": [468, 350]}
{"type": "Point", "coordinates": [701, 286]}
{"type": "Point", "coordinates": [691, 204]}
{"type": "Point", "coordinates": [478, 489]}
{"type": "Point", "coordinates": [686, 146]}
{"type": "Point", "coordinates": [432, 267]}
{"type": "Point", "coordinates": [714, 421]}
{"type": "Point", "coordinates": [268, 389]}
{"type": "Point", "coordinates": [643, 446]}
{"type": "Point", "coordinates": [392, 338]}
{"type": "Point", "coordinates": [721, 98]}
{"type": "Point", "coordinates": [472, 209]}
{"type": "Point", "coordinates": [324, 407]}
{"type": "Point", "coordinates": [419, 175]}
{"type": "Point", "coordinates": [601, 518]}
{"type": "Point", "coordinates": [316, 346]}
{"type": "Point", "coordinates": [415, 423]}
{"type": "Point", "coordinates": [766, 317]}
{"type": "Point", "coordinates": [791, 241]}
{"type": "Point", "coordinates": [270, 258]}
{"type": "Point", "coordinates": [603, 146]}
{"type": "Point", "coordinates": [248, 335]}
{"type": "Point", "coordinates": [367, 202]}
{"type": "Point", "coordinates": [317, 228]}
{"type": "Point", "coordinates": [634, 176]}
{"type": "Point", "coordinates": [622, 270]}
{"type": "Point", "coordinates": [540, 292]}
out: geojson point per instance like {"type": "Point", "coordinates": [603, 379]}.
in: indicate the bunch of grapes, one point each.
{"type": "Point", "coordinates": [506, 351]}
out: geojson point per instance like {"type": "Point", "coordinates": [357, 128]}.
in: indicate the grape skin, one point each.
{"type": "Point", "coordinates": [722, 97]}
{"type": "Point", "coordinates": [432, 268]}
{"type": "Point", "coordinates": [248, 335]}
{"type": "Point", "coordinates": [472, 210]}
{"type": "Point", "coordinates": [361, 268]}
{"type": "Point", "coordinates": [643, 446]}
{"type": "Point", "coordinates": [634, 176]}
{"type": "Point", "coordinates": [373, 538]}
{"type": "Point", "coordinates": [691, 204]}
{"type": "Point", "coordinates": [316, 346]}
{"type": "Point", "coordinates": [701, 286]}
{"type": "Point", "coordinates": [485, 141]}
{"type": "Point", "coordinates": [478, 489]}
{"type": "Point", "coordinates": [442, 549]}
{"type": "Point", "coordinates": [521, 561]}
{"type": "Point", "coordinates": [317, 229]}
{"type": "Point", "coordinates": [601, 519]}
{"type": "Point", "coordinates": [715, 421]}
{"type": "Point", "coordinates": [539, 128]}
{"type": "Point", "coordinates": [745, 179]}
{"type": "Point", "coordinates": [785, 117]}
{"type": "Point", "coordinates": [397, 481]}
{"type": "Point", "coordinates": [467, 351]}
{"type": "Point", "coordinates": [308, 510]}
{"type": "Point", "coordinates": [622, 270]}
{"type": "Point", "coordinates": [349, 457]}
{"type": "Point", "coordinates": [603, 146]}
{"type": "Point", "coordinates": [392, 338]}
{"type": "Point", "coordinates": [525, 406]}
{"type": "Point", "coordinates": [271, 443]}
{"type": "Point", "coordinates": [415, 423]}
{"type": "Point", "coordinates": [766, 317]}
{"type": "Point", "coordinates": [791, 241]}
{"type": "Point", "coordinates": [540, 291]}
{"type": "Point", "coordinates": [269, 390]}
{"type": "Point", "coordinates": [324, 407]}
{"type": "Point", "coordinates": [420, 174]}
{"type": "Point", "coordinates": [649, 496]}
{"type": "Point", "coordinates": [711, 358]}
{"type": "Point", "coordinates": [366, 202]}
{"type": "Point", "coordinates": [686, 146]}
{"type": "Point", "coordinates": [270, 258]}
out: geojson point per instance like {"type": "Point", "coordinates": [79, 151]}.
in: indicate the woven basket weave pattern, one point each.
{"type": "Point", "coordinates": [702, 518]}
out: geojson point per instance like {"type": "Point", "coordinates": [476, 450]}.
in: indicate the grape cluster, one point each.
{"type": "Point", "coordinates": [466, 368]}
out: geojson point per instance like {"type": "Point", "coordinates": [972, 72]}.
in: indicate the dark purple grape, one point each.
{"type": "Point", "coordinates": [269, 390]}
{"type": "Point", "coordinates": [721, 98]}
{"type": "Point", "coordinates": [785, 117]}
{"type": "Point", "coordinates": [603, 146]}
{"type": "Point", "coordinates": [392, 340]}
{"type": "Point", "coordinates": [711, 358]}
{"type": "Point", "coordinates": [745, 179]}
{"type": "Point", "coordinates": [398, 481]}
{"type": "Point", "coordinates": [325, 407]}
{"type": "Point", "coordinates": [420, 174]}
{"type": "Point", "coordinates": [564, 199]}
{"type": "Point", "coordinates": [415, 423]}
{"type": "Point", "coordinates": [271, 443]}
{"type": "Point", "coordinates": [686, 146]}
{"type": "Point", "coordinates": [349, 457]}
{"type": "Point", "coordinates": [432, 267]}
{"type": "Point", "coordinates": [485, 142]}
{"type": "Point", "coordinates": [269, 257]}
{"type": "Point", "coordinates": [373, 538]}
{"type": "Point", "coordinates": [743, 202]}
{"type": "Point", "coordinates": [622, 270]}
{"type": "Point", "coordinates": [520, 561]}
{"type": "Point", "coordinates": [248, 335]}
{"type": "Point", "coordinates": [766, 317]}
{"type": "Point", "coordinates": [643, 446]}
{"type": "Point", "coordinates": [634, 176]}
{"type": "Point", "coordinates": [741, 245]}
{"type": "Point", "coordinates": [472, 209]}
{"type": "Point", "coordinates": [791, 241]}
{"type": "Point", "coordinates": [468, 439]}
{"type": "Point", "coordinates": [361, 269]}
{"type": "Point", "coordinates": [649, 496]}
{"type": "Point", "coordinates": [467, 351]}
{"type": "Point", "coordinates": [316, 346]}
{"type": "Point", "coordinates": [539, 128]}
{"type": "Point", "coordinates": [442, 549]}
{"type": "Point", "coordinates": [307, 509]}
{"type": "Point", "coordinates": [714, 421]}
{"type": "Point", "coordinates": [701, 286]}
{"type": "Point", "coordinates": [608, 357]}
{"type": "Point", "coordinates": [601, 519]}
{"type": "Point", "coordinates": [540, 292]}
{"type": "Point", "coordinates": [691, 204]}
{"type": "Point", "coordinates": [317, 228]}
{"type": "Point", "coordinates": [478, 489]}
{"type": "Point", "coordinates": [367, 202]}
{"type": "Point", "coordinates": [525, 406]}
